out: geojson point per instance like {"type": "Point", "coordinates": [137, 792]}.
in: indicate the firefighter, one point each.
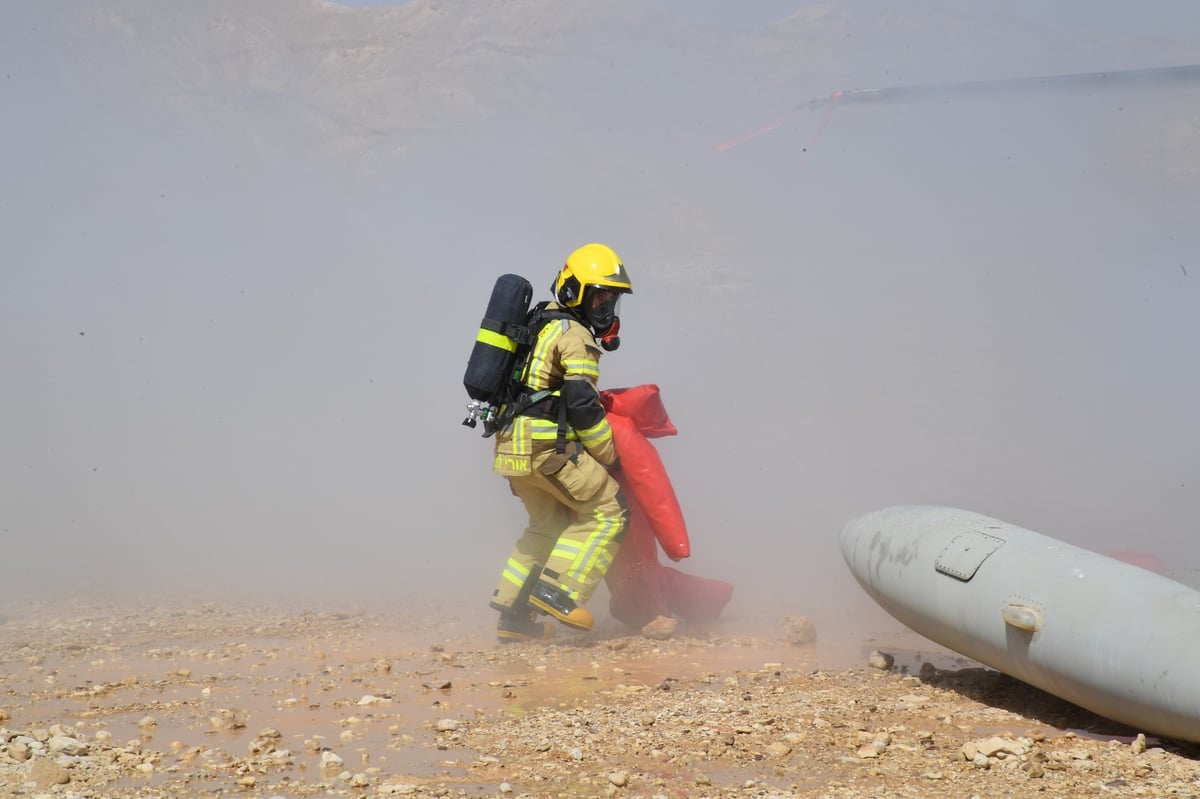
{"type": "Point", "coordinates": [557, 455]}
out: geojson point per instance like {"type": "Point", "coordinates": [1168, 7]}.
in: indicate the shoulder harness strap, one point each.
{"type": "Point", "coordinates": [539, 316]}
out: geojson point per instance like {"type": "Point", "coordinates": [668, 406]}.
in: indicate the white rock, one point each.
{"type": "Point", "coordinates": [330, 759]}
{"type": "Point", "coordinates": [65, 745]}
{"type": "Point", "coordinates": [369, 699]}
{"type": "Point", "coordinates": [994, 746]}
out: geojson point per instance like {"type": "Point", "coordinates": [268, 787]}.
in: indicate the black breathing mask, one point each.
{"type": "Point", "coordinates": [600, 308]}
{"type": "Point", "coordinates": [609, 340]}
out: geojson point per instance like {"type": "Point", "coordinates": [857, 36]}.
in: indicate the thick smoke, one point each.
{"type": "Point", "coordinates": [246, 248]}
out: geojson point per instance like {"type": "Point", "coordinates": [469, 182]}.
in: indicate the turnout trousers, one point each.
{"type": "Point", "coordinates": [577, 517]}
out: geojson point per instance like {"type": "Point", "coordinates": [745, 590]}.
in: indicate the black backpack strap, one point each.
{"type": "Point", "coordinates": [516, 332]}
{"type": "Point", "coordinates": [544, 315]}
{"type": "Point", "coordinates": [560, 444]}
{"type": "Point", "coordinates": [539, 316]}
{"type": "Point", "coordinates": [515, 408]}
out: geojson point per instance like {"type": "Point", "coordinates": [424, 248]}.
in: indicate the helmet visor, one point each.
{"type": "Point", "coordinates": [601, 307]}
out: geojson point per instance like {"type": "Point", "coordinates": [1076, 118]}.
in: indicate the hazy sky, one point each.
{"type": "Point", "coordinates": [245, 249]}
{"type": "Point", "coordinates": [1159, 18]}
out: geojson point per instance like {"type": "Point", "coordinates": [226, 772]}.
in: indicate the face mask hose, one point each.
{"type": "Point", "coordinates": [609, 340]}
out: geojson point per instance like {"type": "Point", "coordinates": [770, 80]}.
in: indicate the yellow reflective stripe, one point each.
{"type": "Point", "coordinates": [595, 552]}
{"type": "Point", "coordinates": [515, 572]}
{"type": "Point", "coordinates": [551, 435]}
{"type": "Point", "coordinates": [538, 374]}
{"type": "Point", "coordinates": [544, 429]}
{"type": "Point", "coordinates": [494, 339]}
{"type": "Point", "coordinates": [596, 434]}
{"type": "Point", "coordinates": [521, 436]}
{"type": "Point", "coordinates": [565, 549]}
{"type": "Point", "coordinates": [583, 367]}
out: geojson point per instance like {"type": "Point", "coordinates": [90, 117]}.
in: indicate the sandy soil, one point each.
{"type": "Point", "coordinates": [207, 700]}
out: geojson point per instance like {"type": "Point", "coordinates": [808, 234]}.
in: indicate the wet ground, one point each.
{"type": "Point", "coordinates": [212, 700]}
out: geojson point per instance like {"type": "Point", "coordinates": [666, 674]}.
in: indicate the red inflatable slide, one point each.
{"type": "Point", "coordinates": [641, 589]}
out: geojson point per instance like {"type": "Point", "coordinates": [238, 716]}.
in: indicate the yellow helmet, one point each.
{"type": "Point", "coordinates": [590, 265]}
{"type": "Point", "coordinates": [591, 283]}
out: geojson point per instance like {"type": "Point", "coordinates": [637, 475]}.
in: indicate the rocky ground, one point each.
{"type": "Point", "coordinates": [208, 700]}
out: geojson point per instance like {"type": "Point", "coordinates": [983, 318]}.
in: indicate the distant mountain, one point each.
{"type": "Point", "coordinates": [352, 81]}
{"type": "Point", "coordinates": [350, 78]}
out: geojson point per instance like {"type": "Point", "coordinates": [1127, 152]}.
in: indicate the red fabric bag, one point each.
{"type": "Point", "coordinates": [644, 477]}
{"type": "Point", "coordinates": [640, 588]}
{"type": "Point", "coordinates": [643, 406]}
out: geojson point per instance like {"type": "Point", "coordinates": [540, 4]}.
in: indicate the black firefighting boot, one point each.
{"type": "Point", "coordinates": [518, 622]}
{"type": "Point", "coordinates": [515, 626]}
{"type": "Point", "coordinates": [554, 600]}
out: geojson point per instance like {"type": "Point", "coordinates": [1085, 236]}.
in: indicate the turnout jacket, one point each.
{"type": "Point", "coordinates": [565, 357]}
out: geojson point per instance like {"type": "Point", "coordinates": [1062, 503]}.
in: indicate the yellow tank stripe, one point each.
{"type": "Point", "coordinates": [494, 339]}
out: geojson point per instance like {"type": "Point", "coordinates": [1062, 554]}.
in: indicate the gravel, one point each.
{"type": "Point", "coordinates": [206, 700]}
